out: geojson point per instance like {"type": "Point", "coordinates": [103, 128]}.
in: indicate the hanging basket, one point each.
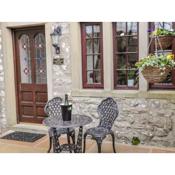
{"type": "Point", "coordinates": [165, 41]}
{"type": "Point", "coordinates": [155, 74]}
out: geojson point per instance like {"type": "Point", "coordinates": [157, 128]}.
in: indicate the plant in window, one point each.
{"type": "Point", "coordinates": [155, 68]}
{"type": "Point", "coordinates": [131, 78]}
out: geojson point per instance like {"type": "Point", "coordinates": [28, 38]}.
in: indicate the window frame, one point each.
{"type": "Point", "coordinates": [162, 86]}
{"type": "Point", "coordinates": [114, 36]}
{"type": "Point", "coordinates": [84, 56]}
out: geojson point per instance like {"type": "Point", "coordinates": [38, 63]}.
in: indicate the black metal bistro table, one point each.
{"type": "Point", "coordinates": [76, 121]}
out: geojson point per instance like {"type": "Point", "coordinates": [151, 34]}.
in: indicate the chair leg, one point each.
{"type": "Point", "coordinates": [84, 146]}
{"type": "Point", "coordinates": [99, 145]}
{"type": "Point", "coordinates": [73, 137]}
{"type": "Point", "coordinates": [50, 144]}
{"type": "Point", "coordinates": [68, 140]}
{"type": "Point", "coordinates": [113, 141]}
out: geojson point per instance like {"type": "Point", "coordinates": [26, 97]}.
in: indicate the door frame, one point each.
{"type": "Point", "coordinates": [11, 102]}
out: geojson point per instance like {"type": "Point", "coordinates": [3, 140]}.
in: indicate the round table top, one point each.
{"type": "Point", "coordinates": [76, 121]}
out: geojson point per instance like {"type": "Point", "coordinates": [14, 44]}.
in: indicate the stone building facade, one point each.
{"type": "Point", "coordinates": [149, 115]}
{"type": "Point", "coordinates": [3, 121]}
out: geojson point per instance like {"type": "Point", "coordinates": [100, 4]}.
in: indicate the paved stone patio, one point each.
{"type": "Point", "coordinates": [41, 146]}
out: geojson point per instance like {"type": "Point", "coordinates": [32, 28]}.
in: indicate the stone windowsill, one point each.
{"type": "Point", "coordinates": [157, 94]}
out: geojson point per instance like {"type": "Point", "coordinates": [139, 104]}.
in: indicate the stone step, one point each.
{"type": "Point", "coordinates": [36, 128]}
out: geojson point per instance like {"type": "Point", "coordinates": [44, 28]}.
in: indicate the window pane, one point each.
{"type": "Point", "coordinates": [121, 79]}
{"type": "Point", "coordinates": [132, 44]}
{"type": "Point", "coordinates": [89, 46]}
{"type": "Point", "coordinates": [97, 62]}
{"type": "Point", "coordinates": [90, 77]}
{"type": "Point", "coordinates": [96, 46]}
{"type": "Point", "coordinates": [131, 28]}
{"type": "Point", "coordinates": [97, 77]}
{"type": "Point", "coordinates": [121, 61]}
{"type": "Point", "coordinates": [158, 25]}
{"type": "Point", "coordinates": [90, 62]}
{"type": "Point", "coordinates": [96, 30]}
{"type": "Point", "coordinates": [165, 25]}
{"type": "Point", "coordinates": [121, 44]}
{"type": "Point", "coordinates": [121, 28]}
{"type": "Point", "coordinates": [132, 59]}
{"type": "Point", "coordinates": [40, 57]}
{"type": "Point", "coordinates": [168, 25]}
{"type": "Point", "coordinates": [25, 59]}
{"type": "Point", "coordinates": [88, 31]}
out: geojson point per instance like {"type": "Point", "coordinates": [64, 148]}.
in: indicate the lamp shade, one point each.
{"type": "Point", "coordinates": [55, 38]}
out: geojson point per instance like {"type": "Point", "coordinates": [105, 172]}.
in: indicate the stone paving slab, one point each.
{"type": "Point", "coordinates": [41, 146]}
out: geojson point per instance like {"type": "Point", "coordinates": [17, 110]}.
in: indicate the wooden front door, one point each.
{"type": "Point", "coordinates": [31, 74]}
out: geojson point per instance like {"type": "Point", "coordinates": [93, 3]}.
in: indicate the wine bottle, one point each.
{"type": "Point", "coordinates": [66, 102]}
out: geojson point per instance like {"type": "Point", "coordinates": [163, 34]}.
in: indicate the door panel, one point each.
{"type": "Point", "coordinates": [27, 110]}
{"type": "Point", "coordinates": [41, 97]}
{"type": "Point", "coordinates": [40, 111]}
{"type": "Point", "coordinates": [31, 73]}
{"type": "Point", "coordinates": [26, 96]}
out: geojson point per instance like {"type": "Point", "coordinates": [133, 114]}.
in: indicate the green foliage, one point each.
{"type": "Point", "coordinates": [135, 140]}
{"type": "Point", "coordinates": [163, 32]}
{"type": "Point", "coordinates": [131, 74]}
{"type": "Point", "coordinates": [160, 61]}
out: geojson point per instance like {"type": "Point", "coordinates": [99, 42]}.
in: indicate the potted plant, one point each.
{"type": "Point", "coordinates": [155, 68]}
{"type": "Point", "coordinates": [164, 36]}
{"type": "Point", "coordinates": [135, 141]}
{"type": "Point", "coordinates": [131, 80]}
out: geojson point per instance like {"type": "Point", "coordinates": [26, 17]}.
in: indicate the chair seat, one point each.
{"type": "Point", "coordinates": [98, 132]}
{"type": "Point", "coordinates": [60, 131]}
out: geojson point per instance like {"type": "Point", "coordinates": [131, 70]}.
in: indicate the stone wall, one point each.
{"type": "Point", "coordinates": [152, 120]}
{"type": "Point", "coordinates": [62, 82]}
{"type": "Point", "coordinates": [2, 89]}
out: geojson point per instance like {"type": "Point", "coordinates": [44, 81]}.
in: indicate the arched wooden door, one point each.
{"type": "Point", "coordinates": [31, 74]}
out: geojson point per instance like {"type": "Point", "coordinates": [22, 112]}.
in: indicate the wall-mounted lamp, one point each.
{"type": "Point", "coordinates": [55, 39]}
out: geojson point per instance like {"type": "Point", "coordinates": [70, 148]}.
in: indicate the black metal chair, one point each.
{"type": "Point", "coordinates": [108, 112]}
{"type": "Point", "coordinates": [53, 109]}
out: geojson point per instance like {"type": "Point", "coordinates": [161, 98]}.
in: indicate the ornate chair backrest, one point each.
{"type": "Point", "coordinates": [53, 108]}
{"type": "Point", "coordinates": [108, 112]}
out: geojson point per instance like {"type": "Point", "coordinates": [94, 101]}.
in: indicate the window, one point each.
{"type": "Point", "coordinates": [40, 56]}
{"type": "Point", "coordinates": [169, 83]}
{"type": "Point", "coordinates": [92, 55]}
{"type": "Point", "coordinates": [125, 41]}
{"type": "Point", "coordinates": [25, 59]}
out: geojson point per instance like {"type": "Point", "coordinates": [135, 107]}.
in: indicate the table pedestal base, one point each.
{"type": "Point", "coordinates": [76, 148]}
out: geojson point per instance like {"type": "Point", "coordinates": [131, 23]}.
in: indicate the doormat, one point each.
{"type": "Point", "coordinates": [23, 136]}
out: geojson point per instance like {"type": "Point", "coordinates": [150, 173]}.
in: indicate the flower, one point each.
{"type": "Point", "coordinates": [161, 61]}
{"type": "Point", "coordinates": [150, 30]}
{"type": "Point", "coordinates": [170, 56]}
